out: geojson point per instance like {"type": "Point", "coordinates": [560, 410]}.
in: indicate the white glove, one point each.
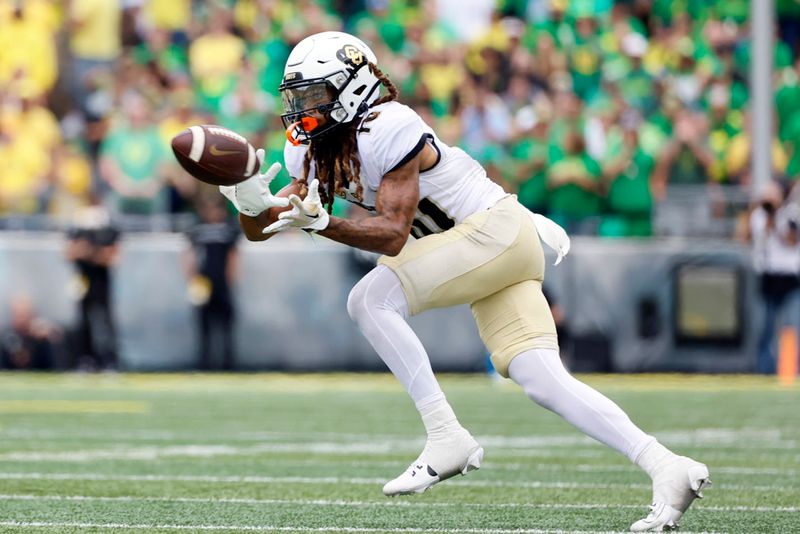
{"type": "Point", "coordinates": [308, 214]}
{"type": "Point", "coordinates": [252, 196]}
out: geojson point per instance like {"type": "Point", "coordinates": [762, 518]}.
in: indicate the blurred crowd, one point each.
{"type": "Point", "coordinates": [589, 110]}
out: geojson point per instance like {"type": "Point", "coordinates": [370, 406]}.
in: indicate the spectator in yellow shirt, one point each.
{"type": "Point", "coordinates": [95, 40]}
{"type": "Point", "coordinates": [24, 174]}
{"type": "Point", "coordinates": [46, 13]}
{"type": "Point", "coordinates": [28, 62]}
{"type": "Point", "coordinates": [95, 29]}
{"type": "Point", "coordinates": [739, 153]}
{"type": "Point", "coordinates": [216, 58]}
{"type": "Point", "coordinates": [171, 15]}
{"type": "Point", "coordinates": [72, 180]}
{"type": "Point", "coordinates": [31, 136]}
{"type": "Point", "coordinates": [37, 123]}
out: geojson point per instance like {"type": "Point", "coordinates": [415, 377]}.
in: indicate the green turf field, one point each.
{"type": "Point", "coordinates": [310, 453]}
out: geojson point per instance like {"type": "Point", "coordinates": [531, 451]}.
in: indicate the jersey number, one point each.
{"type": "Point", "coordinates": [369, 118]}
{"type": "Point", "coordinates": [431, 219]}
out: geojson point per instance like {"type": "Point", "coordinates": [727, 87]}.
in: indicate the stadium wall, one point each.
{"type": "Point", "coordinates": [647, 305]}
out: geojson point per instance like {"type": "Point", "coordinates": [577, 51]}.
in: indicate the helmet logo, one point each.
{"type": "Point", "coordinates": [350, 55]}
{"type": "Point", "coordinates": [292, 76]}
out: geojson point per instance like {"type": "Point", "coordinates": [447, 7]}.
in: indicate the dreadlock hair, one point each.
{"type": "Point", "coordinates": [336, 153]}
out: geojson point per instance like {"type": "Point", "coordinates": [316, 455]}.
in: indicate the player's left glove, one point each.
{"type": "Point", "coordinates": [252, 196]}
{"type": "Point", "coordinates": [308, 214]}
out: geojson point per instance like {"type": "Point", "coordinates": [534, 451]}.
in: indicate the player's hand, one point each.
{"type": "Point", "coordinates": [252, 196]}
{"type": "Point", "coordinates": [308, 214]}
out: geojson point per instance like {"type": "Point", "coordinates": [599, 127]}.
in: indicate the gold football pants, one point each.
{"type": "Point", "coordinates": [493, 261]}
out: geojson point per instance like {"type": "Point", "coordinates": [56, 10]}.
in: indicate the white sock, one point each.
{"type": "Point", "coordinates": [379, 307]}
{"type": "Point", "coordinates": [545, 380]}
{"type": "Point", "coordinates": [653, 457]}
{"type": "Point", "coordinates": [438, 417]}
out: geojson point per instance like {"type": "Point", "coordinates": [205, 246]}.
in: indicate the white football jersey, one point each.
{"type": "Point", "coordinates": [390, 135]}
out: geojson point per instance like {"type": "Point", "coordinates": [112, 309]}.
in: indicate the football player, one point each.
{"type": "Point", "coordinates": [472, 243]}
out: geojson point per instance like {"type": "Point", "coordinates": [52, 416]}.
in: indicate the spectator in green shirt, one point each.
{"type": "Point", "coordinates": [268, 56]}
{"type": "Point", "coordinates": [527, 170]}
{"type": "Point", "coordinates": [568, 111]}
{"type": "Point", "coordinates": [787, 101]}
{"type": "Point", "coordinates": [637, 84]}
{"type": "Point", "coordinates": [628, 171]}
{"type": "Point", "coordinates": [132, 158]}
{"type": "Point", "coordinates": [584, 57]}
{"type": "Point", "coordinates": [687, 158]}
{"type": "Point", "coordinates": [575, 187]}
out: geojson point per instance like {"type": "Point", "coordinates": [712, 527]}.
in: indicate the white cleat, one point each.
{"type": "Point", "coordinates": [442, 458]}
{"type": "Point", "coordinates": [675, 487]}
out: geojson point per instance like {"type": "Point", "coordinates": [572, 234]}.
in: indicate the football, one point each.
{"type": "Point", "coordinates": [215, 155]}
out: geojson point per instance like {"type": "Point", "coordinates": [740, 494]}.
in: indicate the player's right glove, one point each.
{"type": "Point", "coordinates": [308, 213]}
{"type": "Point", "coordinates": [252, 196]}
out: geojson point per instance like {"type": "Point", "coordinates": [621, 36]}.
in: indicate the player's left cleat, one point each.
{"type": "Point", "coordinates": [675, 487]}
{"type": "Point", "coordinates": [442, 458]}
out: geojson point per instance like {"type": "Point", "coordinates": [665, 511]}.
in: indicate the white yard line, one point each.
{"type": "Point", "coordinates": [756, 437]}
{"type": "Point", "coordinates": [366, 447]}
{"type": "Point", "coordinates": [606, 468]}
{"type": "Point", "coordinates": [532, 467]}
{"type": "Point", "coordinates": [271, 528]}
{"type": "Point", "coordinates": [502, 447]}
{"type": "Point", "coordinates": [311, 442]}
{"type": "Point", "coordinates": [354, 449]}
{"type": "Point", "coordinates": [213, 479]}
{"type": "Point", "coordinates": [205, 451]}
{"type": "Point", "coordinates": [394, 503]}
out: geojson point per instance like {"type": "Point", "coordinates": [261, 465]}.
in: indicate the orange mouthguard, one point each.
{"type": "Point", "coordinates": [293, 131]}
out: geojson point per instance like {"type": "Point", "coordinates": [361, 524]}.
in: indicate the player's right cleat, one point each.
{"type": "Point", "coordinates": [443, 457]}
{"type": "Point", "coordinates": [675, 486]}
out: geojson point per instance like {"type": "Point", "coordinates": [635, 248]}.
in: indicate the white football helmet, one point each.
{"type": "Point", "coordinates": [326, 72]}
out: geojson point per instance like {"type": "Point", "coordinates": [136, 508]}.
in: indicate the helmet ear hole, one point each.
{"type": "Point", "coordinates": [338, 115]}
{"type": "Point", "coordinates": [359, 90]}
